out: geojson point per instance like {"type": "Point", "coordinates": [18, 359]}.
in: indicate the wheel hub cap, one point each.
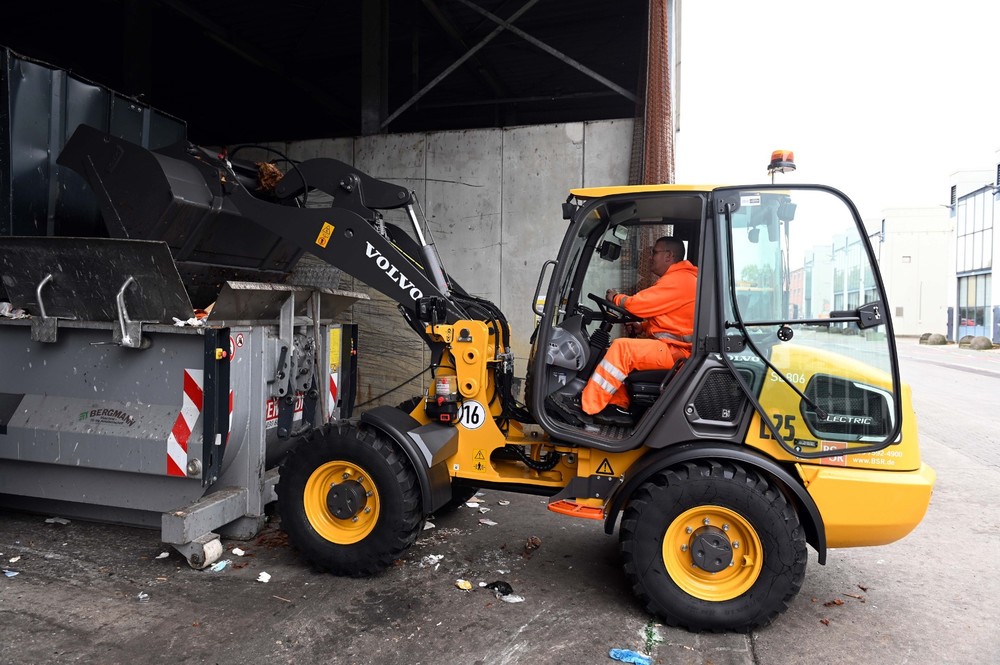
{"type": "Point", "coordinates": [710, 549]}
{"type": "Point", "coordinates": [346, 499]}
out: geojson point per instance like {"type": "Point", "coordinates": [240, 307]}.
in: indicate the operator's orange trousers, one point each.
{"type": "Point", "coordinates": [624, 356]}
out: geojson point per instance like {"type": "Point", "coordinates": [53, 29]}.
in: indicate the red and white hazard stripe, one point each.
{"type": "Point", "coordinates": [177, 441]}
{"type": "Point", "coordinates": [332, 402]}
{"type": "Point", "coordinates": [191, 407]}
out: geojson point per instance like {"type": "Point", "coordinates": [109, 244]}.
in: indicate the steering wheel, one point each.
{"type": "Point", "coordinates": [612, 313]}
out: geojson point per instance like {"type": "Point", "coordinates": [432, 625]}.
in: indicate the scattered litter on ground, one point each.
{"type": "Point", "coordinates": [239, 552]}
{"type": "Point", "coordinates": [163, 555]}
{"type": "Point", "coordinates": [854, 595]}
{"type": "Point", "coordinates": [503, 572]}
{"type": "Point", "coordinates": [483, 510]}
{"type": "Point", "coordinates": [831, 603]}
{"type": "Point", "coordinates": [825, 622]}
{"type": "Point", "coordinates": [193, 322]}
{"type": "Point", "coordinates": [512, 598]}
{"type": "Point", "coordinates": [500, 588]}
{"type": "Point", "coordinates": [15, 559]}
{"type": "Point", "coordinates": [143, 596]}
{"type": "Point", "coordinates": [464, 585]}
{"type": "Point", "coordinates": [429, 525]}
{"type": "Point", "coordinates": [57, 520]}
{"type": "Point", "coordinates": [532, 544]}
{"type": "Point", "coordinates": [10, 573]}
{"type": "Point", "coordinates": [280, 598]}
{"type": "Point", "coordinates": [863, 588]}
{"type": "Point", "coordinates": [487, 522]}
{"type": "Point", "coordinates": [503, 502]}
{"type": "Point", "coordinates": [264, 577]}
{"type": "Point", "coordinates": [472, 501]}
{"type": "Point", "coordinates": [629, 656]}
{"type": "Point", "coordinates": [219, 566]}
{"type": "Point", "coordinates": [431, 560]}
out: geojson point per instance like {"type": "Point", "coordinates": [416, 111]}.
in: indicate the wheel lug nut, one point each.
{"type": "Point", "coordinates": [736, 544]}
{"type": "Point", "coordinates": [354, 519]}
{"type": "Point", "coordinates": [705, 521]}
{"type": "Point", "coordinates": [689, 529]}
{"type": "Point", "coordinates": [684, 548]}
{"type": "Point", "coordinates": [346, 476]}
{"type": "Point", "coordinates": [725, 527]}
{"type": "Point", "coordinates": [367, 510]}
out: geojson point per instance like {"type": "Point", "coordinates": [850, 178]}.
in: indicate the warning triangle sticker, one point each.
{"type": "Point", "coordinates": [479, 455]}
{"type": "Point", "coordinates": [605, 468]}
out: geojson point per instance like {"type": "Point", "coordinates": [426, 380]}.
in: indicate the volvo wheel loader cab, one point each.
{"type": "Point", "coordinates": [787, 426]}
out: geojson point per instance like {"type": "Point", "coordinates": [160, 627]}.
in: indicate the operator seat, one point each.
{"type": "Point", "coordinates": [645, 386]}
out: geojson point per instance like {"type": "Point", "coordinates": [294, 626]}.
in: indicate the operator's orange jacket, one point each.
{"type": "Point", "coordinates": [668, 305]}
{"type": "Point", "coordinates": [668, 309]}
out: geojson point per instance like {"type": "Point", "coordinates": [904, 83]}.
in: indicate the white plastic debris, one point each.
{"type": "Point", "coordinates": [143, 596]}
{"type": "Point", "coordinates": [512, 598]}
{"type": "Point", "coordinates": [15, 559]}
{"type": "Point", "coordinates": [429, 525]}
{"type": "Point", "coordinates": [264, 577]}
{"type": "Point", "coordinates": [163, 555]}
{"type": "Point", "coordinates": [7, 311]}
{"type": "Point", "coordinates": [57, 520]}
{"type": "Point", "coordinates": [483, 510]}
{"type": "Point", "coordinates": [487, 522]}
{"type": "Point", "coordinates": [503, 502]}
{"type": "Point", "coordinates": [219, 566]}
{"type": "Point", "coordinates": [431, 560]}
{"type": "Point", "coordinates": [193, 322]}
{"type": "Point", "coordinates": [473, 500]}
{"type": "Point", "coordinates": [10, 573]}
{"type": "Point", "coordinates": [239, 552]}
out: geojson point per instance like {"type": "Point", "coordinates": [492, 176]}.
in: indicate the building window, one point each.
{"type": "Point", "coordinates": [974, 226]}
{"type": "Point", "coordinates": [973, 304]}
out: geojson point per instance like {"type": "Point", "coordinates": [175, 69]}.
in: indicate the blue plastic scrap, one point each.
{"type": "Point", "coordinates": [629, 656]}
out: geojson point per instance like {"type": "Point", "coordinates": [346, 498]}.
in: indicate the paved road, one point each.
{"type": "Point", "coordinates": [931, 598]}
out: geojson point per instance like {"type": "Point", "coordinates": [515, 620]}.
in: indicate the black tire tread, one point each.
{"type": "Point", "coordinates": [644, 497]}
{"type": "Point", "coordinates": [383, 546]}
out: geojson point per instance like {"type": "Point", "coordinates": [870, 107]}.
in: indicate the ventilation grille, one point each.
{"type": "Point", "coordinates": [720, 397]}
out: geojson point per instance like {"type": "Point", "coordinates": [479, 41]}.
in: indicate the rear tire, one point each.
{"type": "Point", "coordinates": [683, 528]}
{"type": "Point", "coordinates": [364, 533]}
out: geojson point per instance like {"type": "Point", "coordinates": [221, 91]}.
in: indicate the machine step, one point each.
{"type": "Point", "coordinates": [573, 509]}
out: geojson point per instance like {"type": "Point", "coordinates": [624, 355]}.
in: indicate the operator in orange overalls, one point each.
{"type": "Point", "coordinates": [667, 332]}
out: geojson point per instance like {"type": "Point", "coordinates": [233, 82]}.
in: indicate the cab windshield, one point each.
{"type": "Point", "coordinates": [802, 294]}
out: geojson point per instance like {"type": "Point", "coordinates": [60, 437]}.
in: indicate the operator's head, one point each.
{"type": "Point", "coordinates": [666, 252]}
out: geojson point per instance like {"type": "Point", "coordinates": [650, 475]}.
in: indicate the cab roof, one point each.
{"type": "Point", "coordinates": [598, 192]}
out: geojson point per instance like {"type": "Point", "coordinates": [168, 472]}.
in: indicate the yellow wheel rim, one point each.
{"type": "Point", "coordinates": [340, 531]}
{"type": "Point", "coordinates": [681, 549]}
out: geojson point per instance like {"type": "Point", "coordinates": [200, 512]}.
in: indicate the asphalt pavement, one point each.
{"type": "Point", "coordinates": [98, 593]}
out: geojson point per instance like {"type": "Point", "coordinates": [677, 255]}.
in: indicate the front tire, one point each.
{"type": "Point", "coordinates": [349, 501]}
{"type": "Point", "coordinates": [712, 546]}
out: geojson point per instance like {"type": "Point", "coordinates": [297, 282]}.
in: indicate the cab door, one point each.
{"type": "Point", "coordinates": [806, 325]}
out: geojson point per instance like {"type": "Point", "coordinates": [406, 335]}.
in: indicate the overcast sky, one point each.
{"type": "Point", "coordinates": [882, 99]}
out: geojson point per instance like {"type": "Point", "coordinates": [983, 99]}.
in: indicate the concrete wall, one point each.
{"type": "Point", "coordinates": [492, 200]}
{"type": "Point", "coordinates": [917, 261]}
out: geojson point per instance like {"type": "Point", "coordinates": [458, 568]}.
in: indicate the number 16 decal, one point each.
{"type": "Point", "coordinates": [780, 421]}
{"type": "Point", "coordinates": [472, 415]}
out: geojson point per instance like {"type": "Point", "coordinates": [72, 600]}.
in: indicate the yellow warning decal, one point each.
{"type": "Point", "coordinates": [324, 234]}
{"type": "Point", "coordinates": [605, 468]}
{"type": "Point", "coordinates": [479, 460]}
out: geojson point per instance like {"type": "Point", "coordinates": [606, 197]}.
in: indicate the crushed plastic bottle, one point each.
{"type": "Point", "coordinates": [629, 656]}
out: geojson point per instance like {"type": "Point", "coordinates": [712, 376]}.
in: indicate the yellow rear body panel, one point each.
{"type": "Point", "coordinates": [863, 507]}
